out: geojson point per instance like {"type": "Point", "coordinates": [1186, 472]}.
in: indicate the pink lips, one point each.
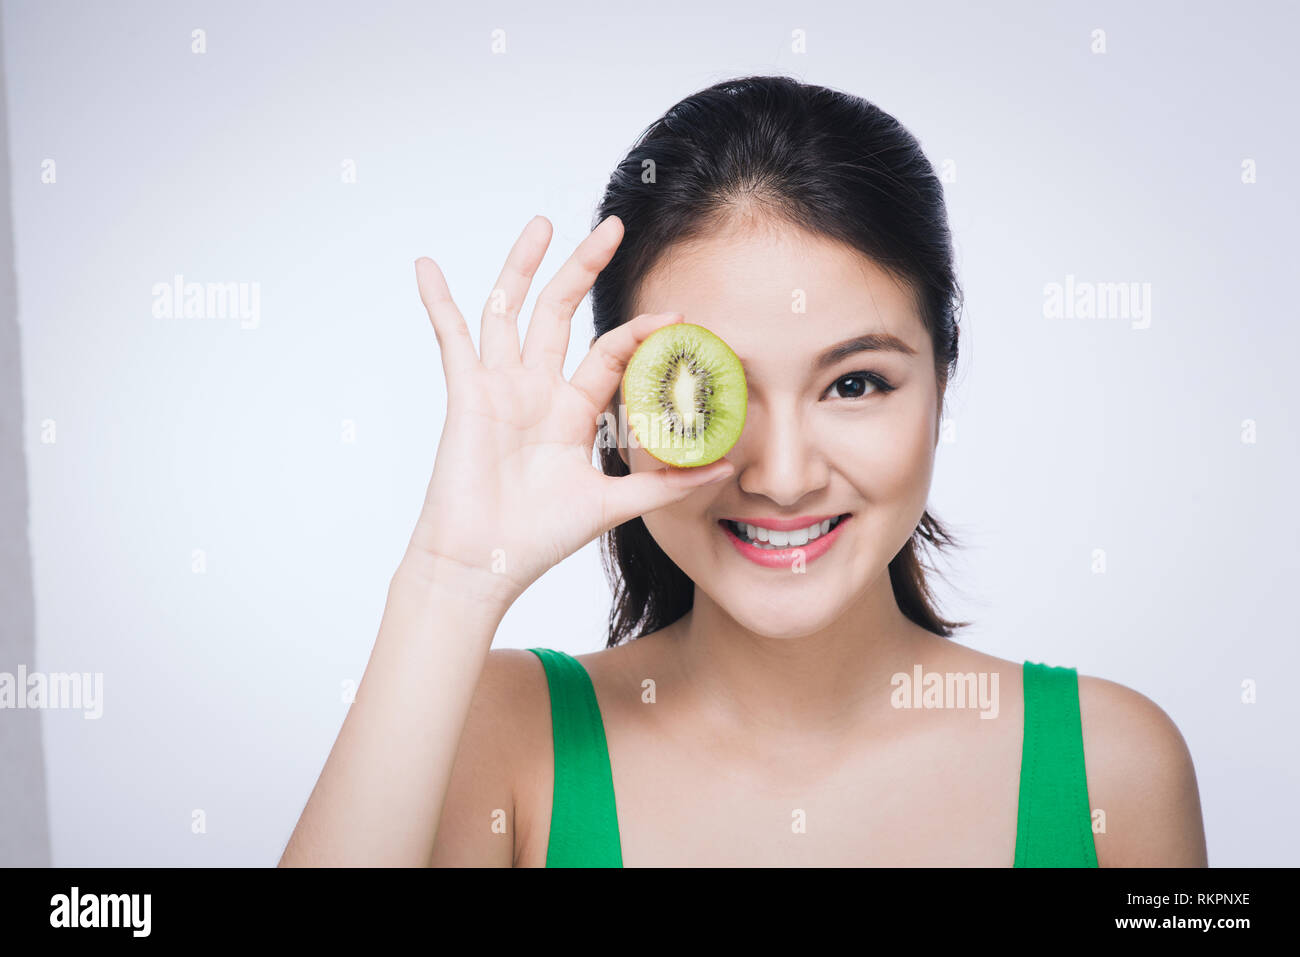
{"type": "Point", "coordinates": [785, 557]}
{"type": "Point", "coordinates": [783, 524]}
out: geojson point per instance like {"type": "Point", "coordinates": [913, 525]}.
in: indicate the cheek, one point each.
{"type": "Point", "coordinates": [672, 523]}
{"type": "Point", "coordinates": [888, 456]}
{"type": "Point", "coordinates": [681, 530]}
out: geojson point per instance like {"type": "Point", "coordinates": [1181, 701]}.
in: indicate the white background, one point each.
{"type": "Point", "coordinates": [223, 691]}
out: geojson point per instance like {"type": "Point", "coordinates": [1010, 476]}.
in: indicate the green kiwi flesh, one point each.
{"type": "Point", "coordinates": [685, 394]}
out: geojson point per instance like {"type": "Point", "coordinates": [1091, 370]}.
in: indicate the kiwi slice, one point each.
{"type": "Point", "coordinates": [685, 395]}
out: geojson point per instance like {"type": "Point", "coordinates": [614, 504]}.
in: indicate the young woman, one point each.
{"type": "Point", "coordinates": [762, 700]}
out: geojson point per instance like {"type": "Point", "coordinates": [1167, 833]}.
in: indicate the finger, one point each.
{"type": "Point", "coordinates": [499, 338]}
{"type": "Point", "coordinates": [547, 340]}
{"type": "Point", "coordinates": [628, 496]}
{"type": "Point", "coordinates": [601, 370]}
{"type": "Point", "coordinates": [454, 341]}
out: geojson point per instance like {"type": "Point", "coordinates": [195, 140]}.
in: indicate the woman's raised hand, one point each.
{"type": "Point", "coordinates": [514, 490]}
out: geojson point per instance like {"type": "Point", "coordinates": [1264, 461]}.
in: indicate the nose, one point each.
{"type": "Point", "coordinates": [778, 457]}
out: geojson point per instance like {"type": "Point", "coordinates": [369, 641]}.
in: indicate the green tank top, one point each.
{"type": "Point", "coordinates": [1053, 820]}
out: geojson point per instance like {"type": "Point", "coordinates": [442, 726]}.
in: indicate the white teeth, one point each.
{"type": "Point", "coordinates": [774, 539]}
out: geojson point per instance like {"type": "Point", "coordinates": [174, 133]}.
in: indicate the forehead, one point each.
{"type": "Point", "coordinates": [776, 293]}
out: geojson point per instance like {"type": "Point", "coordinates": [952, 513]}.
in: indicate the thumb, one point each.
{"type": "Point", "coordinates": [631, 495]}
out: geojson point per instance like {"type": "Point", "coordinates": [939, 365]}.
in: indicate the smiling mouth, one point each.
{"type": "Point", "coordinates": [768, 539]}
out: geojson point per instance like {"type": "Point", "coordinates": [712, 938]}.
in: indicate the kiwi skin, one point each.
{"type": "Point", "coordinates": [675, 365]}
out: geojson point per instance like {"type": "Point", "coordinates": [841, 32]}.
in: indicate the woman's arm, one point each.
{"type": "Point", "coordinates": [513, 493]}
{"type": "Point", "coordinates": [378, 799]}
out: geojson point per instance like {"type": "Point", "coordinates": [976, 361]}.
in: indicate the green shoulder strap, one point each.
{"type": "Point", "coordinates": [584, 818]}
{"type": "Point", "coordinates": [1054, 820]}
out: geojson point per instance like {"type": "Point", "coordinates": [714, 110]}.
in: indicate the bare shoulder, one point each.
{"type": "Point", "coordinates": [514, 684]}
{"type": "Point", "coordinates": [511, 719]}
{"type": "Point", "coordinates": [508, 720]}
{"type": "Point", "coordinates": [1141, 778]}
{"type": "Point", "coordinates": [613, 670]}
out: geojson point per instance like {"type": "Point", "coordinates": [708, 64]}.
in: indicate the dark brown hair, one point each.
{"type": "Point", "coordinates": [827, 162]}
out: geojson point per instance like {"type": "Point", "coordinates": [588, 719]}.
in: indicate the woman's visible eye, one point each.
{"type": "Point", "coordinates": [860, 381]}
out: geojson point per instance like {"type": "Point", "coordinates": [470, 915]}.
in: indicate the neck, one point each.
{"type": "Point", "coordinates": [828, 685]}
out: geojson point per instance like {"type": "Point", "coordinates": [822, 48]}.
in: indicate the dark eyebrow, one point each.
{"type": "Point", "coordinates": [879, 341]}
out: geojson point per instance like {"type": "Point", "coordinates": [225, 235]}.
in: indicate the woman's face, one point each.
{"type": "Point", "coordinates": [821, 438]}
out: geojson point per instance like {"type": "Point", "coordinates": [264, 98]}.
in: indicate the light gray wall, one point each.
{"type": "Point", "coordinates": [24, 828]}
{"type": "Point", "coordinates": [222, 689]}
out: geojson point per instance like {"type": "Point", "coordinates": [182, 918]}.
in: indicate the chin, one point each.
{"type": "Point", "coordinates": [778, 617]}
